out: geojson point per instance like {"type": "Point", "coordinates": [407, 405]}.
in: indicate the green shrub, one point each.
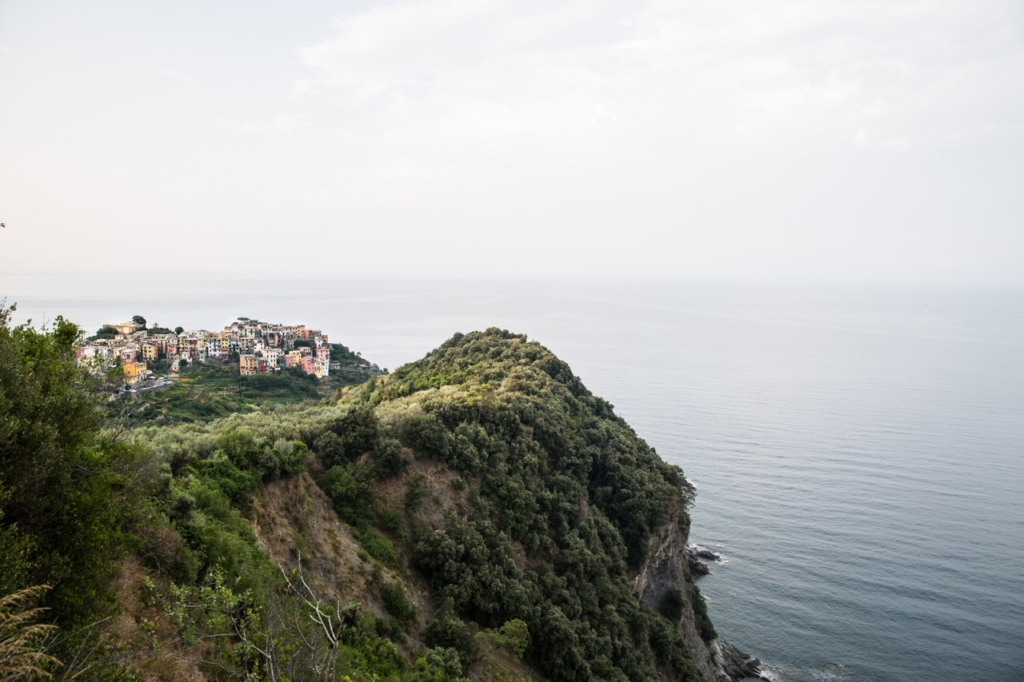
{"type": "Point", "coordinates": [68, 494]}
{"type": "Point", "coordinates": [396, 603]}
{"type": "Point", "coordinates": [416, 493]}
{"type": "Point", "coordinates": [388, 458]}
{"type": "Point", "coordinates": [700, 609]}
{"type": "Point", "coordinates": [390, 521]}
{"type": "Point", "coordinates": [379, 547]}
{"type": "Point", "coordinates": [448, 631]}
{"type": "Point", "coordinates": [671, 605]}
{"type": "Point", "coordinates": [359, 430]}
{"type": "Point", "coordinates": [331, 449]}
{"type": "Point", "coordinates": [427, 436]}
{"type": "Point", "coordinates": [348, 488]}
{"type": "Point", "coordinates": [514, 635]}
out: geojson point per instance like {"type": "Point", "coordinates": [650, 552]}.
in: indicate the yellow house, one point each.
{"type": "Point", "coordinates": [134, 371]}
{"type": "Point", "coordinates": [150, 351]}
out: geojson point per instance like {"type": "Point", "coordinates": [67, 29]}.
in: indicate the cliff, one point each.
{"type": "Point", "coordinates": [667, 573]}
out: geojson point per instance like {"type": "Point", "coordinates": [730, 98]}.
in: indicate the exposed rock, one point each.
{"type": "Point", "coordinates": [670, 564]}
{"type": "Point", "coordinates": [697, 567]}
{"type": "Point", "coordinates": [694, 554]}
{"type": "Point", "coordinates": [703, 553]}
{"type": "Point", "coordinates": [735, 664]}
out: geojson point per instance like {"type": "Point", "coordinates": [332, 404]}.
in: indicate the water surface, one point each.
{"type": "Point", "coordinates": [858, 452]}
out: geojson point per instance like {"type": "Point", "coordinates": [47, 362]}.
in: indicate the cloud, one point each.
{"type": "Point", "coordinates": [176, 75]}
{"type": "Point", "coordinates": [286, 124]}
{"type": "Point", "coordinates": [458, 80]}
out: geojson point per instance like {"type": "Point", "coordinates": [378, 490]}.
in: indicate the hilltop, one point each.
{"type": "Point", "coordinates": [159, 375]}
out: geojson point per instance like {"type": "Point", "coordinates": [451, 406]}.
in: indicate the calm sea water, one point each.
{"type": "Point", "coordinates": [859, 453]}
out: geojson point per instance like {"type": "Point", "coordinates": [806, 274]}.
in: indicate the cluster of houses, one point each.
{"type": "Point", "coordinates": [259, 346]}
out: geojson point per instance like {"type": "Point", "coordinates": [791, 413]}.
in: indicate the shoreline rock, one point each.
{"type": "Point", "coordinates": [733, 664]}
{"type": "Point", "coordinates": [694, 554]}
{"type": "Point", "coordinates": [704, 552]}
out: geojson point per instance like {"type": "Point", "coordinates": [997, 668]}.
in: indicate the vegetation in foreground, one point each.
{"type": "Point", "coordinates": [477, 513]}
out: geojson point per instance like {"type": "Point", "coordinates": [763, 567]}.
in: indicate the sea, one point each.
{"type": "Point", "coordinates": [858, 450]}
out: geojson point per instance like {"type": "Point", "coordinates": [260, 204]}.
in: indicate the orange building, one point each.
{"type": "Point", "coordinates": [134, 371]}
{"type": "Point", "coordinates": [247, 364]}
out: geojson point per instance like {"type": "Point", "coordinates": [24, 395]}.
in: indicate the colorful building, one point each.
{"type": "Point", "coordinates": [247, 364]}
{"type": "Point", "coordinates": [309, 365]}
{"type": "Point", "coordinates": [151, 351]}
{"type": "Point", "coordinates": [134, 372]}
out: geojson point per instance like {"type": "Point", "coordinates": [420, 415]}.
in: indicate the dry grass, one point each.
{"type": "Point", "coordinates": [150, 642]}
{"type": "Point", "coordinates": [22, 653]}
{"type": "Point", "coordinates": [294, 517]}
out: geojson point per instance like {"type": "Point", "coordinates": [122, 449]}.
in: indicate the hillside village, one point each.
{"type": "Point", "coordinates": [256, 347]}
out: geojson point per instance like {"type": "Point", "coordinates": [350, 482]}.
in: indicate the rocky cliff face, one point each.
{"type": "Point", "coordinates": [668, 568]}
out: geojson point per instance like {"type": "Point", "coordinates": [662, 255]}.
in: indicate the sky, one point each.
{"type": "Point", "coordinates": [788, 139]}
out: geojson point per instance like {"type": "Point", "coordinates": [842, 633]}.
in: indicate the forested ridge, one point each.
{"type": "Point", "coordinates": [477, 514]}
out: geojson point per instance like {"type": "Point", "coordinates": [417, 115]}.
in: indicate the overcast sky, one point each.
{"type": "Point", "coordinates": [858, 139]}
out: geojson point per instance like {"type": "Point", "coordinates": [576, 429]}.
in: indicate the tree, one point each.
{"type": "Point", "coordinates": [331, 449]}
{"type": "Point", "coordinates": [66, 491]}
{"type": "Point", "coordinates": [104, 332]}
{"type": "Point", "coordinates": [449, 632]}
{"type": "Point", "coordinates": [359, 430]}
{"type": "Point", "coordinates": [178, 330]}
{"type": "Point", "coordinates": [139, 320]}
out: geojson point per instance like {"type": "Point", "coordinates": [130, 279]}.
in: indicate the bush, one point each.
{"type": "Point", "coordinates": [349, 491]}
{"type": "Point", "coordinates": [427, 436]}
{"type": "Point", "coordinates": [671, 605]}
{"type": "Point", "coordinates": [390, 521]}
{"type": "Point", "coordinates": [379, 547]}
{"type": "Point", "coordinates": [700, 609]}
{"type": "Point", "coordinates": [331, 449]}
{"type": "Point", "coordinates": [447, 631]}
{"type": "Point", "coordinates": [514, 635]}
{"type": "Point", "coordinates": [359, 430]}
{"type": "Point", "coordinates": [396, 603]}
{"type": "Point", "coordinates": [389, 459]}
{"type": "Point", "coordinates": [417, 491]}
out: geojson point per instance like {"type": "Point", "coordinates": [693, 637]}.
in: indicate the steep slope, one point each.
{"type": "Point", "coordinates": [567, 516]}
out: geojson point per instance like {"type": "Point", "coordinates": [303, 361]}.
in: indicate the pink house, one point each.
{"type": "Point", "coordinates": [323, 354]}
{"type": "Point", "coordinates": [308, 365]}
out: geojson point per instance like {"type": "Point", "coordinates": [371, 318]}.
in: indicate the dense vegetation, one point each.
{"type": "Point", "coordinates": [500, 511]}
{"type": "Point", "coordinates": [66, 493]}
{"type": "Point", "coordinates": [554, 474]}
